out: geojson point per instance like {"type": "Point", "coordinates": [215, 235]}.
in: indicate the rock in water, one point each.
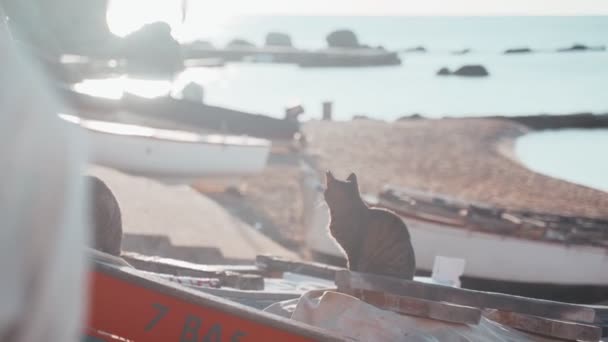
{"type": "Point", "coordinates": [202, 44]}
{"type": "Point", "coordinates": [581, 47]}
{"type": "Point", "coordinates": [240, 43]}
{"type": "Point", "coordinates": [466, 71]}
{"type": "Point", "coordinates": [193, 92]}
{"type": "Point", "coordinates": [471, 71]}
{"type": "Point", "coordinates": [415, 49]}
{"type": "Point", "coordinates": [278, 39]}
{"type": "Point", "coordinates": [361, 117]}
{"type": "Point", "coordinates": [461, 52]}
{"type": "Point", "coordinates": [444, 72]}
{"type": "Point", "coordinates": [342, 39]}
{"type": "Point", "coordinates": [152, 50]}
{"type": "Point", "coordinates": [518, 50]}
{"type": "Point", "coordinates": [414, 116]}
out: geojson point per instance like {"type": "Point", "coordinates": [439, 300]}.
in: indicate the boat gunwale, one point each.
{"type": "Point", "coordinates": [226, 140]}
{"type": "Point", "coordinates": [472, 226]}
{"type": "Point", "coordinates": [473, 230]}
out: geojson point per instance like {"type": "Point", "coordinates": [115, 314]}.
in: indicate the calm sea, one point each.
{"type": "Point", "coordinates": [578, 156]}
{"type": "Point", "coordinates": [542, 82]}
{"type": "Point", "coordinates": [519, 84]}
{"type": "Point", "coordinates": [545, 82]}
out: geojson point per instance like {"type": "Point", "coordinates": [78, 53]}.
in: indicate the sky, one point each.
{"type": "Point", "coordinates": [391, 7]}
{"type": "Point", "coordinates": [124, 16]}
{"type": "Point", "coordinates": [415, 7]}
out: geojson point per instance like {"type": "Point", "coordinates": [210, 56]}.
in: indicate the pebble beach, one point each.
{"type": "Point", "coordinates": [469, 159]}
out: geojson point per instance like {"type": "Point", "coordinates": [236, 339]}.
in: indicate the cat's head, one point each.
{"type": "Point", "coordinates": [340, 193]}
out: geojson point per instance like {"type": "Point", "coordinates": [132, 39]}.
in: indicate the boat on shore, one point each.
{"type": "Point", "coordinates": [170, 154]}
{"type": "Point", "coordinates": [154, 301]}
{"type": "Point", "coordinates": [196, 115]}
{"type": "Point", "coordinates": [522, 253]}
{"type": "Point", "coordinates": [126, 305]}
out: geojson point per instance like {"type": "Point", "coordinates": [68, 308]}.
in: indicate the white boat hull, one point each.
{"type": "Point", "coordinates": [173, 155]}
{"type": "Point", "coordinates": [490, 256]}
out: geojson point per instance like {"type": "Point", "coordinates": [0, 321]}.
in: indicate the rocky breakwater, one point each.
{"type": "Point", "coordinates": [345, 50]}
{"type": "Point", "coordinates": [278, 39]}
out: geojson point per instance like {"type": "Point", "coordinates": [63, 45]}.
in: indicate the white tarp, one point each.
{"type": "Point", "coordinates": [355, 319]}
{"type": "Point", "coordinates": [42, 232]}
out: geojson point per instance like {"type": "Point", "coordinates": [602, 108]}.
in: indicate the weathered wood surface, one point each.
{"type": "Point", "coordinates": [188, 114]}
{"type": "Point", "coordinates": [546, 327]}
{"type": "Point", "coordinates": [242, 277]}
{"type": "Point", "coordinates": [484, 300]}
{"type": "Point", "coordinates": [276, 264]}
{"type": "Point", "coordinates": [445, 312]}
{"type": "Point", "coordinates": [183, 268]}
{"type": "Point", "coordinates": [601, 317]}
{"type": "Point", "coordinates": [243, 281]}
{"type": "Point", "coordinates": [216, 118]}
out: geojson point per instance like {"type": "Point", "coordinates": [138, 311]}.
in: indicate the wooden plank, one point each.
{"type": "Point", "coordinates": [546, 327]}
{"type": "Point", "coordinates": [419, 307]}
{"type": "Point", "coordinates": [479, 299]}
{"type": "Point", "coordinates": [136, 308]}
{"type": "Point", "coordinates": [243, 281]}
{"type": "Point", "coordinates": [601, 319]}
{"type": "Point", "coordinates": [276, 264]}
{"type": "Point", "coordinates": [183, 268]}
{"type": "Point", "coordinates": [243, 277]}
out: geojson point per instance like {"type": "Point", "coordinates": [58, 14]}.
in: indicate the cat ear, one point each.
{"type": "Point", "coordinates": [352, 178]}
{"type": "Point", "coordinates": [329, 177]}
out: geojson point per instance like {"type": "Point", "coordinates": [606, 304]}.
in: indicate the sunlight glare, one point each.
{"type": "Point", "coordinates": [203, 20]}
{"type": "Point", "coordinates": [114, 88]}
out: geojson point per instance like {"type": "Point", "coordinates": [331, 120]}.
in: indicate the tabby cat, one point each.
{"type": "Point", "coordinates": [374, 240]}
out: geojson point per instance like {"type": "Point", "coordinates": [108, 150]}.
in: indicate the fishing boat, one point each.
{"type": "Point", "coordinates": [524, 253]}
{"type": "Point", "coordinates": [194, 115]}
{"type": "Point", "coordinates": [130, 303]}
{"type": "Point", "coordinates": [126, 305]}
{"type": "Point", "coordinates": [171, 154]}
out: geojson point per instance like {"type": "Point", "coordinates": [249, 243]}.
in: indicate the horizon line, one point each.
{"type": "Point", "coordinates": [514, 14]}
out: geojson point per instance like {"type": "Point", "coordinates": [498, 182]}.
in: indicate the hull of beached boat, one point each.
{"type": "Point", "coordinates": [126, 306]}
{"type": "Point", "coordinates": [490, 256]}
{"type": "Point", "coordinates": [172, 155]}
{"type": "Point", "coordinates": [190, 114]}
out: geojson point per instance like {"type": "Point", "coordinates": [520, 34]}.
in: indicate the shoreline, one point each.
{"type": "Point", "coordinates": [471, 159]}
{"type": "Point", "coordinates": [538, 122]}
{"type": "Point", "coordinates": [459, 157]}
{"type": "Point", "coordinates": [567, 154]}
